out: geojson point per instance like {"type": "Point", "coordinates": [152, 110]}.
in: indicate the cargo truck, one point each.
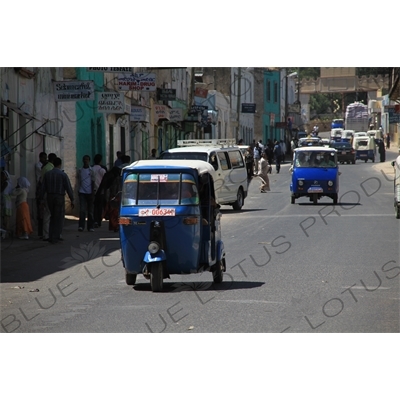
{"type": "Point", "coordinates": [357, 118]}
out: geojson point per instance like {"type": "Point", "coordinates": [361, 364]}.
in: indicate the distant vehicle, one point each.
{"type": "Point", "coordinates": [345, 152]}
{"type": "Point", "coordinates": [337, 123]}
{"type": "Point", "coordinates": [315, 174]}
{"type": "Point", "coordinates": [376, 134]}
{"type": "Point", "coordinates": [310, 141]}
{"type": "Point", "coordinates": [357, 117]}
{"type": "Point", "coordinates": [301, 135]}
{"type": "Point", "coordinates": [360, 134]}
{"type": "Point", "coordinates": [365, 148]}
{"type": "Point", "coordinates": [336, 134]}
{"type": "Point", "coordinates": [228, 161]}
{"type": "Point", "coordinates": [347, 135]}
{"type": "Point", "coordinates": [325, 142]}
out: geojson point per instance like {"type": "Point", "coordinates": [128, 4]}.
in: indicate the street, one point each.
{"type": "Point", "coordinates": [290, 268]}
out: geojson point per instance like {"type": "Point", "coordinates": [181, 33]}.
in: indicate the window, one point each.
{"type": "Point", "coordinates": [275, 92]}
{"type": "Point", "coordinates": [223, 161]}
{"type": "Point", "coordinates": [268, 91]}
{"type": "Point", "coordinates": [236, 159]}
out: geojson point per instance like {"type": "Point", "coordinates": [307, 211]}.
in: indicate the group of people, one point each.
{"type": "Point", "coordinates": [98, 191]}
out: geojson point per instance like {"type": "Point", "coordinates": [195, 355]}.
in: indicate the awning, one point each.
{"type": "Point", "coordinates": [14, 107]}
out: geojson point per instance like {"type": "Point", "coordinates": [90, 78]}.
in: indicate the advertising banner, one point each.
{"type": "Point", "coordinates": [141, 82]}
{"type": "Point", "coordinates": [126, 70]}
{"type": "Point", "coordinates": [111, 102]}
{"type": "Point", "coordinates": [176, 114]}
{"type": "Point", "coordinates": [140, 114]}
{"type": "Point", "coordinates": [73, 90]}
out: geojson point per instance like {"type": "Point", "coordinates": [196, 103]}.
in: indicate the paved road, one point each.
{"type": "Point", "coordinates": [290, 268]}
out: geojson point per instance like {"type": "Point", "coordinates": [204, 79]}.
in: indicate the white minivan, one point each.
{"type": "Point", "coordinates": [226, 158]}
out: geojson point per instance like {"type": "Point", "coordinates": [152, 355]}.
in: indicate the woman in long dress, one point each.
{"type": "Point", "coordinates": [23, 218]}
{"type": "Point", "coordinates": [263, 175]}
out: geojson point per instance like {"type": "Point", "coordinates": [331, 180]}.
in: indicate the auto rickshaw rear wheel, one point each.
{"type": "Point", "coordinates": [218, 273]}
{"type": "Point", "coordinates": [335, 198]}
{"type": "Point", "coordinates": [130, 279]}
{"type": "Point", "coordinates": [292, 199]}
{"type": "Point", "coordinates": [156, 277]}
{"type": "Point", "coordinates": [397, 211]}
{"type": "Point", "coordinates": [315, 198]}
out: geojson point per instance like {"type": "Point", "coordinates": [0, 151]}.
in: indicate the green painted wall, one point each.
{"type": "Point", "coordinates": [90, 129]}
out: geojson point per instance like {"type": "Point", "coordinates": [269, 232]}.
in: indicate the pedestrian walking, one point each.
{"type": "Point", "coordinates": [99, 171]}
{"type": "Point", "coordinates": [277, 155]}
{"type": "Point", "coordinates": [45, 211]}
{"type": "Point", "coordinates": [387, 141]}
{"type": "Point", "coordinates": [248, 155]}
{"type": "Point", "coordinates": [23, 226]}
{"type": "Point", "coordinates": [118, 161]}
{"type": "Point", "coordinates": [153, 155]}
{"type": "Point", "coordinates": [263, 175]}
{"type": "Point", "coordinates": [256, 156]}
{"type": "Point", "coordinates": [55, 184]}
{"type": "Point", "coordinates": [283, 150]}
{"type": "Point", "coordinates": [110, 188]}
{"type": "Point", "coordinates": [38, 172]}
{"type": "Point", "coordinates": [86, 183]}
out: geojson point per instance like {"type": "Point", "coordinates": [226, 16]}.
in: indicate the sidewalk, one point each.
{"type": "Point", "coordinates": [25, 260]}
{"type": "Point", "coordinates": [386, 166]}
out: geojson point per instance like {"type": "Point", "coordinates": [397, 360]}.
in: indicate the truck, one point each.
{"type": "Point", "coordinates": [356, 117]}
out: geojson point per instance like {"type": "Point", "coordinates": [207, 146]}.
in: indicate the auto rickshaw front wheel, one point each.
{"type": "Point", "coordinates": [397, 211]}
{"type": "Point", "coordinates": [315, 198]}
{"type": "Point", "coordinates": [156, 277]}
{"type": "Point", "coordinates": [130, 279]}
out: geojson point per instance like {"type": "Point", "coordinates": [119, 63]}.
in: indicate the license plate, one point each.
{"type": "Point", "coordinates": [315, 190]}
{"type": "Point", "coordinates": [343, 152]}
{"type": "Point", "coordinates": [157, 212]}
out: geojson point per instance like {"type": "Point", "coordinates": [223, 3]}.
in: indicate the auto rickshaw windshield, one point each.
{"type": "Point", "coordinates": [154, 189]}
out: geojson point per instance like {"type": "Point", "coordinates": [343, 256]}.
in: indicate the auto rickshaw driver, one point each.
{"type": "Point", "coordinates": [301, 160]}
{"type": "Point", "coordinates": [326, 161]}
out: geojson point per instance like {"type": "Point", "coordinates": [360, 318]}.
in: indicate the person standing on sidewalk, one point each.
{"type": "Point", "coordinates": [86, 183]}
{"type": "Point", "coordinates": [23, 218]}
{"type": "Point", "coordinates": [55, 184]}
{"type": "Point", "coordinates": [44, 206]}
{"type": "Point", "coordinates": [98, 204]}
{"type": "Point", "coordinates": [38, 172]}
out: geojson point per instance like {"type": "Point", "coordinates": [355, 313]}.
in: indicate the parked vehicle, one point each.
{"type": "Point", "coordinates": [226, 158]}
{"type": "Point", "coordinates": [365, 148]}
{"type": "Point", "coordinates": [345, 152]}
{"type": "Point", "coordinates": [396, 166]}
{"type": "Point", "coordinates": [315, 174]}
{"type": "Point", "coordinates": [170, 221]}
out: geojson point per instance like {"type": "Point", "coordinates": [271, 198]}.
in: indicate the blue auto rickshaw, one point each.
{"type": "Point", "coordinates": [315, 174]}
{"type": "Point", "coordinates": [170, 221]}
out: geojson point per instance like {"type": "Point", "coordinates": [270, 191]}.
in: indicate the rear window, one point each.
{"type": "Point", "coordinates": [152, 189]}
{"type": "Point", "coordinates": [342, 146]}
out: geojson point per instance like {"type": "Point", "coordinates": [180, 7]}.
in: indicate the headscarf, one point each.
{"type": "Point", "coordinates": [23, 183]}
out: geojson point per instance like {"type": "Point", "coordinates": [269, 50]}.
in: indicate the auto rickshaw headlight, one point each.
{"type": "Point", "coordinates": [301, 183]}
{"type": "Point", "coordinates": [154, 247]}
{"type": "Point", "coordinates": [330, 183]}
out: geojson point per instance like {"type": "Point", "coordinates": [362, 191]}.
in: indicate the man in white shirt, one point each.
{"type": "Point", "coordinates": [86, 183]}
{"type": "Point", "coordinates": [98, 171]}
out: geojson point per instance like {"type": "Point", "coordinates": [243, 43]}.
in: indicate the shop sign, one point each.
{"type": "Point", "coordinates": [141, 82]}
{"type": "Point", "coordinates": [139, 114]}
{"type": "Point", "coordinates": [248, 108]}
{"type": "Point", "coordinates": [195, 109]}
{"type": "Point", "coordinates": [126, 70]}
{"type": "Point", "coordinates": [160, 112]}
{"type": "Point", "coordinates": [166, 94]}
{"type": "Point", "coordinates": [73, 90]}
{"type": "Point", "coordinates": [111, 102]}
{"type": "Point", "coordinates": [176, 114]}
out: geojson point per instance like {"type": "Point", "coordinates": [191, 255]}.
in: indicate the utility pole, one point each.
{"type": "Point", "coordinates": [239, 95]}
